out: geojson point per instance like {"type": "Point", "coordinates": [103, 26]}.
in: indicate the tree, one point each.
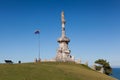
{"type": "Point", "coordinates": [103, 63]}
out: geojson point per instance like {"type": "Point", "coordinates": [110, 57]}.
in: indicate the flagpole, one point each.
{"type": "Point", "coordinates": [37, 32]}
{"type": "Point", "coordinates": [39, 48]}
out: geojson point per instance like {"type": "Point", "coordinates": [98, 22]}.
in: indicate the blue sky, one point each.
{"type": "Point", "coordinates": [92, 25]}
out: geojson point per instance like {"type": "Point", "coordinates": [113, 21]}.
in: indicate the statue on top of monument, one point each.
{"type": "Point", "coordinates": [63, 19]}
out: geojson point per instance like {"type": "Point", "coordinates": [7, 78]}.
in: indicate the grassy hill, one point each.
{"type": "Point", "coordinates": [49, 71]}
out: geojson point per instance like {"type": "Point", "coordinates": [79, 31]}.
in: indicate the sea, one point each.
{"type": "Point", "coordinates": [116, 73]}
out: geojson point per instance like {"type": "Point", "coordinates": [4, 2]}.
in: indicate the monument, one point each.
{"type": "Point", "coordinates": [63, 52]}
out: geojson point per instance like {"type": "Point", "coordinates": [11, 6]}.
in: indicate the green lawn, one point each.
{"type": "Point", "coordinates": [49, 71]}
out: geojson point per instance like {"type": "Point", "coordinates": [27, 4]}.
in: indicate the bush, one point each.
{"type": "Point", "coordinates": [105, 65]}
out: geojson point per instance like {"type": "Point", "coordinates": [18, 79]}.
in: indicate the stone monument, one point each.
{"type": "Point", "coordinates": [63, 52]}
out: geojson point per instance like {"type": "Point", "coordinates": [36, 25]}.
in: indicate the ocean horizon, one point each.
{"type": "Point", "coordinates": [116, 73]}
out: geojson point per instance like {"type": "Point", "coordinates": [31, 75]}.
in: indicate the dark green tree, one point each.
{"type": "Point", "coordinates": [105, 65]}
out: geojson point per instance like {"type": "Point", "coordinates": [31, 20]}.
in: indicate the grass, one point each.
{"type": "Point", "coordinates": [49, 71]}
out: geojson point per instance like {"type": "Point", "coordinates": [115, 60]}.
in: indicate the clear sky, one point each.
{"type": "Point", "coordinates": [92, 25]}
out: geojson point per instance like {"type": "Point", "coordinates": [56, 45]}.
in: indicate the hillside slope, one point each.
{"type": "Point", "coordinates": [49, 71]}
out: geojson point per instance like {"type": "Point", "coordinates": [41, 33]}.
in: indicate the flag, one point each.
{"type": "Point", "coordinates": [37, 32]}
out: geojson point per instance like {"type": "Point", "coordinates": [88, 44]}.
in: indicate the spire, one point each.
{"type": "Point", "coordinates": [62, 19]}
{"type": "Point", "coordinates": [63, 24]}
{"type": "Point", "coordinates": [63, 37]}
